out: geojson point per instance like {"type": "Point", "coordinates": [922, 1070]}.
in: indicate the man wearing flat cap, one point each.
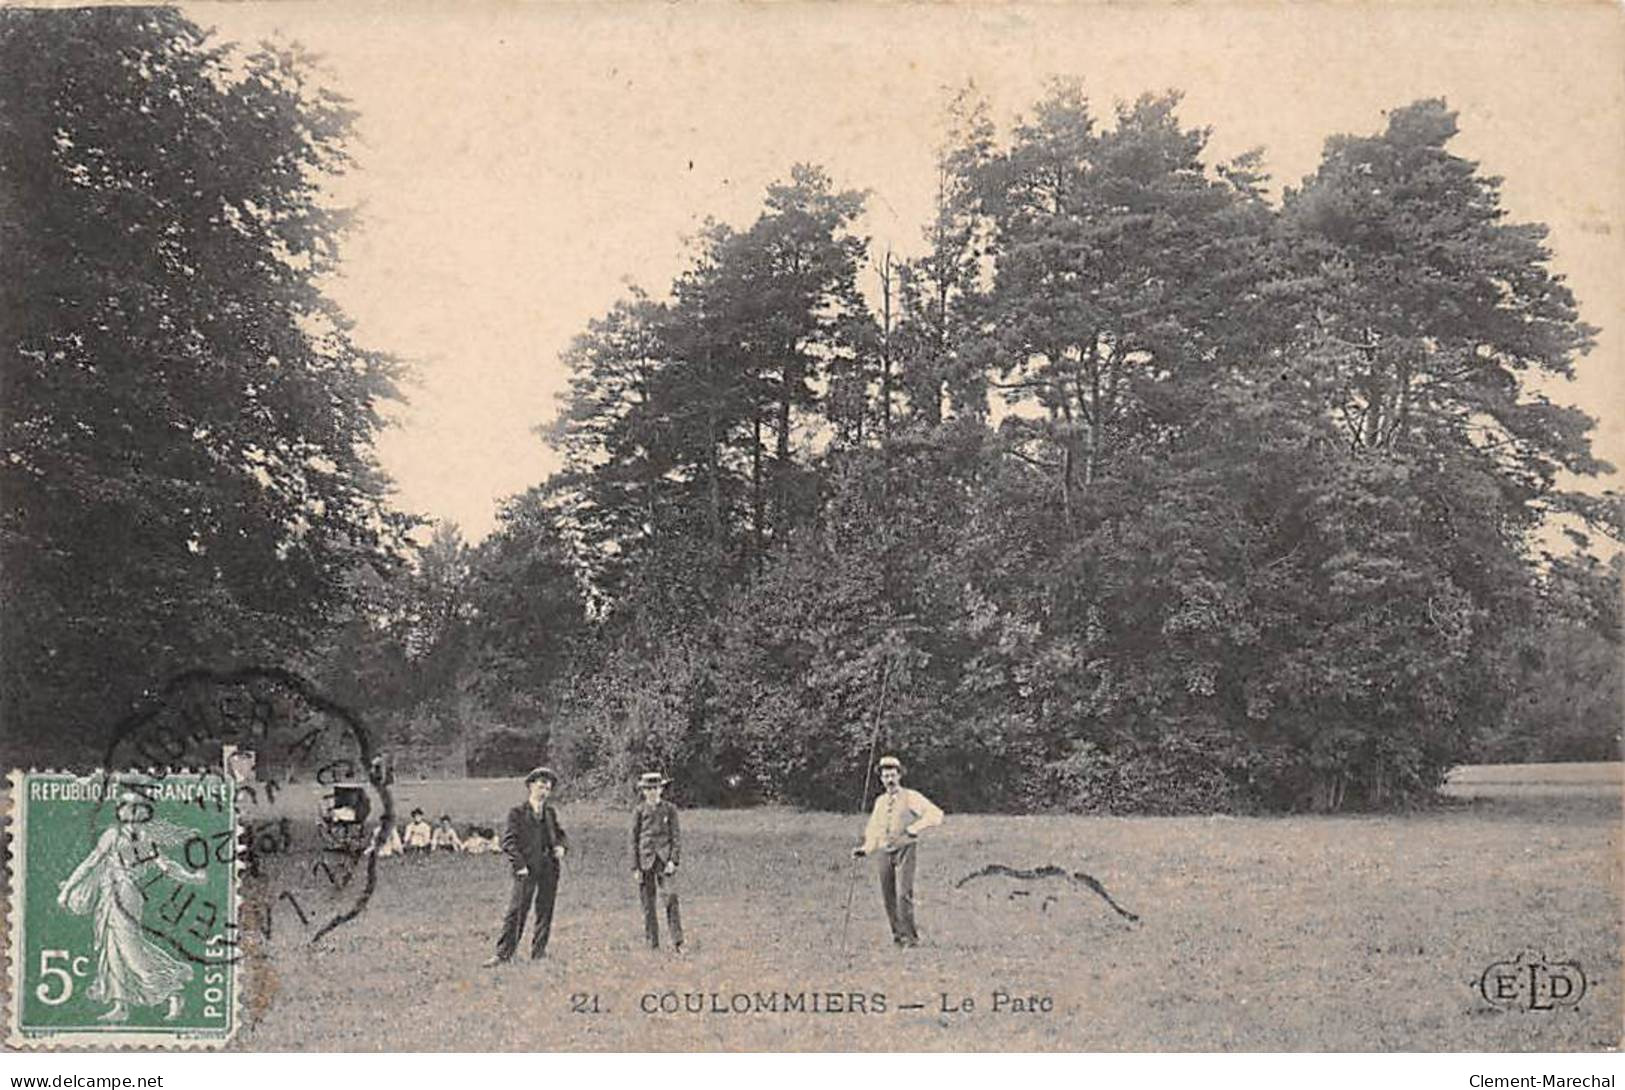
{"type": "Point", "coordinates": [657, 848]}
{"type": "Point", "coordinates": [535, 845]}
{"type": "Point", "coordinates": [900, 815]}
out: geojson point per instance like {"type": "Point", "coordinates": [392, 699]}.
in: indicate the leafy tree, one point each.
{"type": "Point", "coordinates": [1422, 319]}
{"type": "Point", "coordinates": [680, 421]}
{"type": "Point", "coordinates": [1116, 260]}
{"type": "Point", "coordinates": [934, 290]}
{"type": "Point", "coordinates": [1431, 308]}
{"type": "Point", "coordinates": [438, 608]}
{"type": "Point", "coordinates": [803, 316]}
{"type": "Point", "coordinates": [186, 420]}
{"type": "Point", "coordinates": [624, 452]}
{"type": "Point", "coordinates": [527, 614]}
{"type": "Point", "coordinates": [1567, 669]}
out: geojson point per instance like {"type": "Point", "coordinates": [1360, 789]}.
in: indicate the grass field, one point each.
{"type": "Point", "coordinates": [1296, 933]}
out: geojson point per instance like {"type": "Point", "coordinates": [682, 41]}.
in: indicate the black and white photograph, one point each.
{"type": "Point", "coordinates": [814, 528]}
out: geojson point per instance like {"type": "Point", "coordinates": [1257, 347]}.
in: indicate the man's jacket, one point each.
{"type": "Point", "coordinates": [529, 839]}
{"type": "Point", "coordinates": [655, 836]}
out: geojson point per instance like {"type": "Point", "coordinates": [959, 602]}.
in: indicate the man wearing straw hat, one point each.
{"type": "Point", "coordinates": [657, 848]}
{"type": "Point", "coordinates": [535, 845]}
{"type": "Point", "coordinates": [900, 815]}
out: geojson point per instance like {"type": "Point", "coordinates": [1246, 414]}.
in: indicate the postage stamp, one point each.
{"type": "Point", "coordinates": [123, 910]}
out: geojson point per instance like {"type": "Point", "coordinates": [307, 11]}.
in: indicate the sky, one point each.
{"type": "Point", "coordinates": [518, 165]}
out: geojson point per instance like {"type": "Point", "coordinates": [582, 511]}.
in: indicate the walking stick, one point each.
{"type": "Point", "coordinates": [874, 740]}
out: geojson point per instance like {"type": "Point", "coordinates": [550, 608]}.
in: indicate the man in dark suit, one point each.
{"type": "Point", "coordinates": [657, 848]}
{"type": "Point", "coordinates": [535, 846]}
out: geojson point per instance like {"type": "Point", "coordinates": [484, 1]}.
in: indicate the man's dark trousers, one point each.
{"type": "Point", "coordinates": [649, 881]}
{"type": "Point", "coordinates": [542, 885]}
{"type": "Point", "coordinates": [897, 890]}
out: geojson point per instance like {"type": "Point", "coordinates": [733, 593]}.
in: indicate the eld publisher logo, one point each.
{"type": "Point", "coordinates": [1529, 982]}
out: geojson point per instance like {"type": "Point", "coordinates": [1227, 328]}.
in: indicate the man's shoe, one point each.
{"type": "Point", "coordinates": [493, 962]}
{"type": "Point", "coordinates": [677, 949]}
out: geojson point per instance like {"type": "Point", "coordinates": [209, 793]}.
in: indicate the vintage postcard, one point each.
{"type": "Point", "coordinates": [832, 528]}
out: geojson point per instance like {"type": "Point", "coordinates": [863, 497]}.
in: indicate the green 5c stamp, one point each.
{"type": "Point", "coordinates": [123, 910]}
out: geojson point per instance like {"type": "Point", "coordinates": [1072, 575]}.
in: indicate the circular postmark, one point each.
{"type": "Point", "coordinates": [298, 767]}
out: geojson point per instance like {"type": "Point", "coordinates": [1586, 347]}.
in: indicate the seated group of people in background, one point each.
{"type": "Point", "coordinates": [419, 837]}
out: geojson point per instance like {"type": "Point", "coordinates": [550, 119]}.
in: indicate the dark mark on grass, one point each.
{"type": "Point", "coordinates": [1078, 878]}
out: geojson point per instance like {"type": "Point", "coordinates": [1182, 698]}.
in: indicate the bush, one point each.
{"type": "Point", "coordinates": [1175, 777]}
{"type": "Point", "coordinates": [506, 751]}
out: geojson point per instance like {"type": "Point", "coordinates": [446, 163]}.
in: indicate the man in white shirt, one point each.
{"type": "Point", "coordinates": [418, 834]}
{"type": "Point", "coordinates": [481, 841]}
{"type": "Point", "coordinates": [445, 838]}
{"type": "Point", "coordinates": [900, 815]}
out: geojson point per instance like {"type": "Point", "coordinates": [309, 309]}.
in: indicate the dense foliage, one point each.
{"type": "Point", "coordinates": [1133, 490]}
{"type": "Point", "coordinates": [185, 423]}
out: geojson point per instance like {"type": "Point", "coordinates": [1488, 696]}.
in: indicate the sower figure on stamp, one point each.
{"type": "Point", "coordinates": [535, 846]}
{"type": "Point", "coordinates": [657, 848]}
{"type": "Point", "coordinates": [109, 885]}
{"type": "Point", "coordinates": [899, 816]}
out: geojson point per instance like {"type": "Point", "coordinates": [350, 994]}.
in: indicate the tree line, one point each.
{"type": "Point", "coordinates": [1131, 489]}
